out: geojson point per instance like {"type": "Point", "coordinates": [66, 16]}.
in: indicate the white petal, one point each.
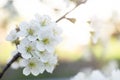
{"type": "Point", "coordinates": [15, 65]}
{"type": "Point", "coordinates": [23, 25]}
{"type": "Point", "coordinates": [40, 47]}
{"type": "Point", "coordinates": [12, 36]}
{"type": "Point", "coordinates": [21, 49]}
{"type": "Point", "coordinates": [41, 69]}
{"type": "Point", "coordinates": [44, 59]}
{"type": "Point", "coordinates": [23, 62]}
{"type": "Point", "coordinates": [26, 56]}
{"type": "Point", "coordinates": [9, 38]}
{"type": "Point", "coordinates": [50, 49]}
{"type": "Point", "coordinates": [25, 41]}
{"type": "Point", "coordinates": [22, 33]}
{"type": "Point", "coordinates": [32, 38]}
{"type": "Point", "coordinates": [49, 69]}
{"type": "Point", "coordinates": [35, 71]}
{"type": "Point", "coordinates": [26, 71]}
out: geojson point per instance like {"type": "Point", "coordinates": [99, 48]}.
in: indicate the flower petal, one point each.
{"type": "Point", "coordinates": [50, 69]}
{"type": "Point", "coordinates": [26, 71]}
{"type": "Point", "coordinates": [35, 71]}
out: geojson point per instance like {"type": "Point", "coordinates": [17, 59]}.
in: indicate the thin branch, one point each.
{"type": "Point", "coordinates": [64, 16]}
{"type": "Point", "coordinates": [9, 64]}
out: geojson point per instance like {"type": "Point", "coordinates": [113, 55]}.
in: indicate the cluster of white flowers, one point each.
{"type": "Point", "coordinates": [35, 41]}
{"type": "Point", "coordinates": [97, 75]}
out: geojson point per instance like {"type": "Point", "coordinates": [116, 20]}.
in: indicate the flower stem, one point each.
{"type": "Point", "coordinates": [64, 16]}
{"type": "Point", "coordinates": [9, 64]}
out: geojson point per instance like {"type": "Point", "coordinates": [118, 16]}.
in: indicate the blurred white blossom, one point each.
{"type": "Point", "coordinates": [110, 66]}
{"type": "Point", "coordinates": [80, 76]}
{"type": "Point", "coordinates": [100, 29]}
{"type": "Point", "coordinates": [115, 75]}
{"type": "Point", "coordinates": [98, 75]}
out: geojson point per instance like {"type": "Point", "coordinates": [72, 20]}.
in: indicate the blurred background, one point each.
{"type": "Point", "coordinates": [91, 34]}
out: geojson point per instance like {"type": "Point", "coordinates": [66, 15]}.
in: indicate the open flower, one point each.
{"type": "Point", "coordinates": [56, 31]}
{"type": "Point", "coordinates": [43, 20]}
{"type": "Point", "coordinates": [51, 63]}
{"type": "Point", "coordinates": [44, 55]}
{"type": "Point", "coordinates": [29, 30]}
{"type": "Point", "coordinates": [46, 42]}
{"type": "Point", "coordinates": [27, 48]}
{"type": "Point", "coordinates": [32, 65]}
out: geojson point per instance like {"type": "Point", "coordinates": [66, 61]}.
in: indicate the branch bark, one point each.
{"type": "Point", "coordinates": [64, 16]}
{"type": "Point", "coordinates": [9, 64]}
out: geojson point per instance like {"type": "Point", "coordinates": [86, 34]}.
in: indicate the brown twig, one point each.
{"type": "Point", "coordinates": [9, 64]}
{"type": "Point", "coordinates": [64, 16]}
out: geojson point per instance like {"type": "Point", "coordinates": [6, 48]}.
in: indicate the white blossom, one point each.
{"type": "Point", "coordinates": [43, 20]}
{"type": "Point", "coordinates": [29, 30]}
{"type": "Point", "coordinates": [44, 55]}
{"type": "Point", "coordinates": [32, 65]}
{"type": "Point", "coordinates": [27, 48]}
{"type": "Point", "coordinates": [50, 64]}
{"type": "Point", "coordinates": [12, 36]}
{"type": "Point", "coordinates": [56, 32]}
{"type": "Point", "coordinates": [46, 42]}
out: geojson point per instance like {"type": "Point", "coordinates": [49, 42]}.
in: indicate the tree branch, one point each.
{"type": "Point", "coordinates": [64, 16]}
{"type": "Point", "coordinates": [9, 64]}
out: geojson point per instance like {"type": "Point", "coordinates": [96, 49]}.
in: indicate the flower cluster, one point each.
{"type": "Point", "coordinates": [97, 75]}
{"type": "Point", "coordinates": [35, 41]}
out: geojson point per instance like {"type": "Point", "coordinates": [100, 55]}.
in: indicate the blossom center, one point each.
{"type": "Point", "coordinates": [29, 49]}
{"type": "Point", "coordinates": [42, 52]}
{"type": "Point", "coordinates": [30, 31]}
{"type": "Point", "coordinates": [46, 41]}
{"type": "Point", "coordinates": [46, 63]}
{"type": "Point", "coordinates": [32, 64]}
{"type": "Point", "coordinates": [43, 23]}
